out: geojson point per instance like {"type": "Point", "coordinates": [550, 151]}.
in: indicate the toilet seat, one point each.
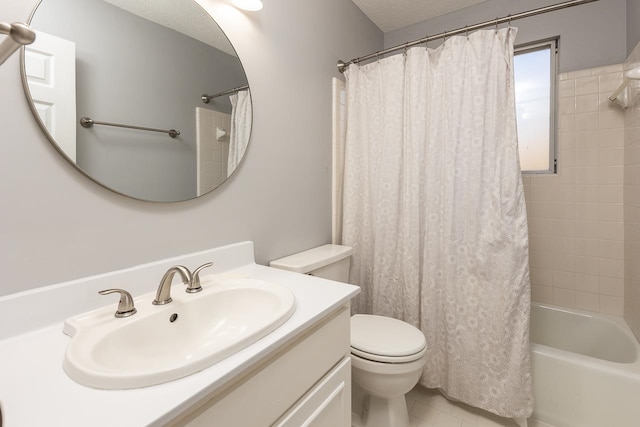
{"type": "Point", "coordinates": [386, 340]}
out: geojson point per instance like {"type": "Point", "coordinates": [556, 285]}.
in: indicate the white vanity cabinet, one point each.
{"type": "Point", "coordinates": [306, 383]}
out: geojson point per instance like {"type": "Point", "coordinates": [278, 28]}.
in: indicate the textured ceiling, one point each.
{"type": "Point", "coordinates": [391, 15]}
{"type": "Point", "coordinates": [186, 17]}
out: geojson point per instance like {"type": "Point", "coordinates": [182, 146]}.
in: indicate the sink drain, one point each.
{"type": "Point", "coordinates": [173, 317]}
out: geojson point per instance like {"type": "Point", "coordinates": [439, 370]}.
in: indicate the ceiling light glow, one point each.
{"type": "Point", "coordinates": [250, 5]}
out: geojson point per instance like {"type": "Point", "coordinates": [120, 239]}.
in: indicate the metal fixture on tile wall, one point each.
{"type": "Point", "coordinates": [220, 134]}
{"type": "Point", "coordinates": [19, 34]}
{"type": "Point", "coordinates": [621, 95]}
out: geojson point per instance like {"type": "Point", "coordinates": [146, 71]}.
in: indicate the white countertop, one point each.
{"type": "Point", "coordinates": [35, 391]}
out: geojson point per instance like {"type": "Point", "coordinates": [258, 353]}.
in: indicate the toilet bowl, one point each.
{"type": "Point", "coordinates": [387, 355]}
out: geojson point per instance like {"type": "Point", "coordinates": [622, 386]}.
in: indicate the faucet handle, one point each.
{"type": "Point", "coordinates": [125, 306]}
{"type": "Point", "coordinates": [194, 285]}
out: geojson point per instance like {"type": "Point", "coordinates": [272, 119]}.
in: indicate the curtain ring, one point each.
{"type": "Point", "coordinates": [497, 24]}
{"type": "Point", "coordinates": [509, 20]}
{"type": "Point", "coordinates": [406, 48]}
{"type": "Point", "coordinates": [426, 42]}
{"type": "Point", "coordinates": [445, 35]}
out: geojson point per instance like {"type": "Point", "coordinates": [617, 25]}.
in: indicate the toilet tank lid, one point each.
{"type": "Point", "coordinates": [312, 259]}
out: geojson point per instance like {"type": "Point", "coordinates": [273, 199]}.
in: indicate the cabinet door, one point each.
{"type": "Point", "coordinates": [325, 405]}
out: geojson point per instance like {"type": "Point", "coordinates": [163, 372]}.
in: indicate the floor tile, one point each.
{"type": "Point", "coordinates": [414, 421]}
{"type": "Point", "coordinates": [466, 413]}
{"type": "Point", "coordinates": [536, 423]}
{"type": "Point", "coordinates": [426, 413]}
{"type": "Point", "coordinates": [441, 403]}
{"type": "Point", "coordinates": [447, 420]}
{"type": "Point", "coordinates": [490, 421]}
{"type": "Point", "coordinates": [429, 408]}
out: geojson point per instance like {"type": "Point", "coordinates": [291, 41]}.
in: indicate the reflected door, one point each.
{"type": "Point", "coordinates": [51, 72]}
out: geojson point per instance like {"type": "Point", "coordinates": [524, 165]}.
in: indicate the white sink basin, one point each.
{"type": "Point", "coordinates": [148, 348]}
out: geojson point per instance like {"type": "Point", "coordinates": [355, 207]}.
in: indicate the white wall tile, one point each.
{"type": "Point", "coordinates": [587, 283]}
{"type": "Point", "coordinates": [565, 263]}
{"type": "Point", "coordinates": [587, 247]}
{"type": "Point", "coordinates": [586, 85]}
{"type": "Point", "coordinates": [616, 68]}
{"type": "Point", "coordinates": [611, 286]}
{"type": "Point", "coordinates": [586, 157]}
{"type": "Point", "coordinates": [590, 121]}
{"type": "Point", "coordinates": [610, 156]}
{"type": "Point", "coordinates": [611, 249]}
{"type": "Point", "coordinates": [579, 73]}
{"type": "Point", "coordinates": [567, 88]}
{"type": "Point", "coordinates": [564, 297]}
{"type": "Point", "coordinates": [588, 301]}
{"type": "Point", "coordinates": [587, 265]}
{"type": "Point", "coordinates": [567, 105]}
{"type": "Point", "coordinates": [566, 123]}
{"type": "Point", "coordinates": [610, 175]}
{"type": "Point", "coordinates": [611, 138]}
{"type": "Point", "coordinates": [610, 120]}
{"type": "Point", "coordinates": [576, 216]}
{"type": "Point", "coordinates": [585, 103]}
{"type": "Point", "coordinates": [543, 294]}
{"type": "Point", "coordinates": [586, 139]}
{"type": "Point", "coordinates": [608, 83]}
{"type": "Point", "coordinates": [611, 305]}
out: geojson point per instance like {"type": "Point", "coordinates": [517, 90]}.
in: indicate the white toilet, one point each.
{"type": "Point", "coordinates": [387, 354]}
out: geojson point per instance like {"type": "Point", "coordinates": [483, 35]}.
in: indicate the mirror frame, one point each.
{"type": "Point", "coordinates": [73, 163]}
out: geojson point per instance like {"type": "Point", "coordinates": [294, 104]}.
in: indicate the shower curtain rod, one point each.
{"type": "Point", "coordinates": [206, 98]}
{"type": "Point", "coordinates": [342, 66]}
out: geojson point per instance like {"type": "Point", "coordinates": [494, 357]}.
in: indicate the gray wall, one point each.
{"type": "Point", "coordinates": [591, 35]}
{"type": "Point", "coordinates": [57, 225]}
{"type": "Point", "coordinates": [633, 24]}
{"type": "Point", "coordinates": [143, 74]}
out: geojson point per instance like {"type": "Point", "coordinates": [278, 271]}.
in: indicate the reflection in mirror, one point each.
{"type": "Point", "coordinates": [140, 64]}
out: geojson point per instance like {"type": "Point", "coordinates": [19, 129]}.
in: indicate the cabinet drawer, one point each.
{"type": "Point", "coordinates": [325, 405]}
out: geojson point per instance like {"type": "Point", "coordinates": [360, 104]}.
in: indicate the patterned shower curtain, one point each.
{"type": "Point", "coordinates": [434, 209]}
{"type": "Point", "coordinates": [241, 117]}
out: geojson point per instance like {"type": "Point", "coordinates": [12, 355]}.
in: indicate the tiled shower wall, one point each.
{"type": "Point", "coordinates": [632, 202]}
{"type": "Point", "coordinates": [576, 226]}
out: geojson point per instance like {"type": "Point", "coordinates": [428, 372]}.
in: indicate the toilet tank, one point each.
{"type": "Point", "coordinates": [328, 262]}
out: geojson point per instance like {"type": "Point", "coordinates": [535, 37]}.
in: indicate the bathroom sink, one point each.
{"type": "Point", "coordinates": [164, 343]}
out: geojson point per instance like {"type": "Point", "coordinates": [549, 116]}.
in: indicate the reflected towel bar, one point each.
{"type": "Point", "coordinates": [87, 122]}
{"type": "Point", "coordinates": [18, 35]}
{"type": "Point", "coordinates": [206, 98]}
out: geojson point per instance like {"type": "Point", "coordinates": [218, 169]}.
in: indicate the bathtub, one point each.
{"type": "Point", "coordinates": [586, 368]}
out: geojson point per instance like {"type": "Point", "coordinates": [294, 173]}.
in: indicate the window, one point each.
{"type": "Point", "coordinates": [535, 75]}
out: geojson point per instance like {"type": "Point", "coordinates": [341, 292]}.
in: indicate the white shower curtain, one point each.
{"type": "Point", "coordinates": [434, 209]}
{"type": "Point", "coordinates": [241, 117]}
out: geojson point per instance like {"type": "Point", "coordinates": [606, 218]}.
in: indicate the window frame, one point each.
{"type": "Point", "coordinates": [552, 45]}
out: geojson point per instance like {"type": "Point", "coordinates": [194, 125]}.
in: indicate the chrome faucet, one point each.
{"type": "Point", "coordinates": [163, 296]}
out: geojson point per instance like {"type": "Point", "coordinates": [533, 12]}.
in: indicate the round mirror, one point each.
{"type": "Point", "coordinates": [147, 98]}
